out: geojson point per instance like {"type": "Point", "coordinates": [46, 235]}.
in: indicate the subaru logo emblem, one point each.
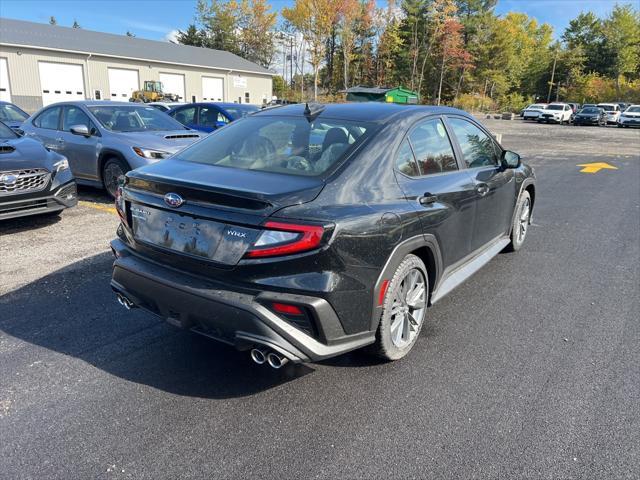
{"type": "Point", "coordinates": [8, 179]}
{"type": "Point", "coordinates": [173, 200]}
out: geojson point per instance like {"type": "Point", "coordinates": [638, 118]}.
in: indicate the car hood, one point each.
{"type": "Point", "coordinates": [24, 153]}
{"type": "Point", "coordinates": [167, 141]}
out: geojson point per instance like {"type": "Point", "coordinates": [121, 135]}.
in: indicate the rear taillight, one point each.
{"type": "Point", "coordinates": [280, 238]}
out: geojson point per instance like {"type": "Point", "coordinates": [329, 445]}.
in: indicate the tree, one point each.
{"type": "Point", "coordinates": [76, 24]}
{"type": "Point", "coordinates": [52, 20]}
{"type": "Point", "coordinates": [347, 15]}
{"type": "Point", "coordinates": [313, 19]}
{"type": "Point", "coordinates": [256, 39]}
{"type": "Point", "coordinates": [585, 32]}
{"type": "Point", "coordinates": [192, 36]}
{"type": "Point", "coordinates": [621, 32]}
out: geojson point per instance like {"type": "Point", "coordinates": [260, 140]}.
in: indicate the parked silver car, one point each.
{"type": "Point", "coordinates": [104, 139]}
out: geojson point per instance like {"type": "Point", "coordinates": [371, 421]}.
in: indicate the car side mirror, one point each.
{"type": "Point", "coordinates": [510, 159]}
{"type": "Point", "coordinates": [80, 130]}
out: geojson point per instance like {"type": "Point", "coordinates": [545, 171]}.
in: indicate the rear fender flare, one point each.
{"type": "Point", "coordinates": [397, 255]}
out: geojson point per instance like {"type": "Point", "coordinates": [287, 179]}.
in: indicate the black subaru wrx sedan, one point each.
{"type": "Point", "coordinates": [303, 232]}
{"type": "Point", "coordinates": [33, 180]}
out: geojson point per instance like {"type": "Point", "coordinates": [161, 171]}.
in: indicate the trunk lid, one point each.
{"type": "Point", "coordinates": [217, 216]}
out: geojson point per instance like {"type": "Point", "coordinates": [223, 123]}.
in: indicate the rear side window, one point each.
{"type": "Point", "coordinates": [432, 148]}
{"type": "Point", "coordinates": [478, 149]}
{"type": "Point", "coordinates": [405, 161]}
{"type": "Point", "coordinates": [48, 119]}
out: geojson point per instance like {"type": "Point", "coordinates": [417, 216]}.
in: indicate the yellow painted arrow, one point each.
{"type": "Point", "coordinates": [595, 167]}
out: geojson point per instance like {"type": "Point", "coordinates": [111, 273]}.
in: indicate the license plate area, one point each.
{"type": "Point", "coordinates": [187, 234]}
{"type": "Point", "coordinates": [176, 232]}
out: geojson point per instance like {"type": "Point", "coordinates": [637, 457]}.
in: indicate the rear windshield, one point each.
{"type": "Point", "coordinates": [291, 145]}
{"type": "Point", "coordinates": [535, 105]}
{"type": "Point", "coordinates": [6, 133]}
{"type": "Point", "coordinates": [9, 113]}
{"type": "Point", "coordinates": [608, 108]}
{"type": "Point", "coordinates": [133, 118]}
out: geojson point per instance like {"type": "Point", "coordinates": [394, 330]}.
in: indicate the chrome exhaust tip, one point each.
{"type": "Point", "coordinates": [258, 356]}
{"type": "Point", "coordinates": [276, 360]}
{"type": "Point", "coordinates": [124, 301]}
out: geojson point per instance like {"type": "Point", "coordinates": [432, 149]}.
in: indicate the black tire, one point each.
{"type": "Point", "coordinates": [517, 240]}
{"type": "Point", "coordinates": [384, 346]}
{"type": "Point", "coordinates": [112, 169]}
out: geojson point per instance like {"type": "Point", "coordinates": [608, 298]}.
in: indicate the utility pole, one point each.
{"type": "Point", "coordinates": [553, 74]}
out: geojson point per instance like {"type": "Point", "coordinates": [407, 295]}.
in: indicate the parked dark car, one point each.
{"type": "Point", "coordinates": [295, 253]}
{"type": "Point", "coordinates": [33, 180]}
{"type": "Point", "coordinates": [105, 139]}
{"type": "Point", "coordinates": [591, 116]}
{"type": "Point", "coordinates": [207, 117]}
{"type": "Point", "coordinates": [12, 115]}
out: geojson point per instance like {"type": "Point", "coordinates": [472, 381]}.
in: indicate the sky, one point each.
{"type": "Point", "coordinates": [160, 19]}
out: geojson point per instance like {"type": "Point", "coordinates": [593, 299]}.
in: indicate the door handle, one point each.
{"type": "Point", "coordinates": [428, 199]}
{"type": "Point", "coordinates": [482, 189]}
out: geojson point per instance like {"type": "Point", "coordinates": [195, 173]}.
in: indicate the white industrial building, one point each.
{"type": "Point", "coordinates": [41, 64]}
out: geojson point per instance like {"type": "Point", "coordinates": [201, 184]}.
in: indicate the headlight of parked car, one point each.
{"type": "Point", "coordinates": [61, 165]}
{"type": "Point", "coordinates": [150, 154]}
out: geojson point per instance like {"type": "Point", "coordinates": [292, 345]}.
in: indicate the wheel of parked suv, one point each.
{"type": "Point", "coordinates": [520, 225]}
{"type": "Point", "coordinates": [404, 309]}
{"type": "Point", "coordinates": [112, 170]}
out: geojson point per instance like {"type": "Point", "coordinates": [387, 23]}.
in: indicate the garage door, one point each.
{"type": "Point", "coordinates": [212, 89]}
{"type": "Point", "coordinates": [173, 83]}
{"type": "Point", "coordinates": [122, 83]}
{"type": "Point", "coordinates": [5, 89]}
{"type": "Point", "coordinates": [60, 82]}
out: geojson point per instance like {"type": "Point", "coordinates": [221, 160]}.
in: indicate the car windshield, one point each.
{"type": "Point", "coordinates": [535, 106]}
{"type": "Point", "coordinates": [6, 133]}
{"type": "Point", "coordinates": [10, 113]}
{"type": "Point", "coordinates": [590, 110]}
{"type": "Point", "coordinates": [133, 118]}
{"type": "Point", "coordinates": [633, 109]}
{"type": "Point", "coordinates": [241, 110]}
{"type": "Point", "coordinates": [555, 107]}
{"type": "Point", "coordinates": [607, 108]}
{"type": "Point", "coordinates": [292, 145]}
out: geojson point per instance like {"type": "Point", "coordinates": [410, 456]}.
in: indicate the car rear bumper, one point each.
{"type": "Point", "coordinates": [22, 205]}
{"type": "Point", "coordinates": [234, 316]}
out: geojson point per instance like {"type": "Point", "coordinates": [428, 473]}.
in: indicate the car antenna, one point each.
{"type": "Point", "coordinates": [311, 111]}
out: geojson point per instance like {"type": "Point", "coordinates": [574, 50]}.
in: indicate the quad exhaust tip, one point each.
{"type": "Point", "coordinates": [275, 360]}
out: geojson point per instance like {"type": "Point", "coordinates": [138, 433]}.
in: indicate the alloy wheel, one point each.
{"type": "Point", "coordinates": [408, 308]}
{"type": "Point", "coordinates": [523, 221]}
{"type": "Point", "coordinates": [112, 173]}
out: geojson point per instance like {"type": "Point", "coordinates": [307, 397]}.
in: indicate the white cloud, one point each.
{"type": "Point", "coordinates": [172, 36]}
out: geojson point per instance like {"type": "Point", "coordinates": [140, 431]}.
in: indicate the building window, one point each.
{"type": "Point", "coordinates": [247, 97]}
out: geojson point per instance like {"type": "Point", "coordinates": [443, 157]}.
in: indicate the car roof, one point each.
{"type": "Point", "coordinates": [97, 103]}
{"type": "Point", "coordinates": [377, 112]}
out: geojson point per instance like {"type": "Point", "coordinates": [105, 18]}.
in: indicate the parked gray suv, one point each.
{"type": "Point", "coordinates": [104, 139]}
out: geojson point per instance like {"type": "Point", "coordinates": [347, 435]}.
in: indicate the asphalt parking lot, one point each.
{"type": "Point", "coordinates": [529, 370]}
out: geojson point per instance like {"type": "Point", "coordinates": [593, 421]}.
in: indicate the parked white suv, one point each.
{"type": "Point", "coordinates": [556, 113]}
{"type": "Point", "coordinates": [630, 117]}
{"type": "Point", "coordinates": [533, 111]}
{"type": "Point", "coordinates": [612, 110]}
